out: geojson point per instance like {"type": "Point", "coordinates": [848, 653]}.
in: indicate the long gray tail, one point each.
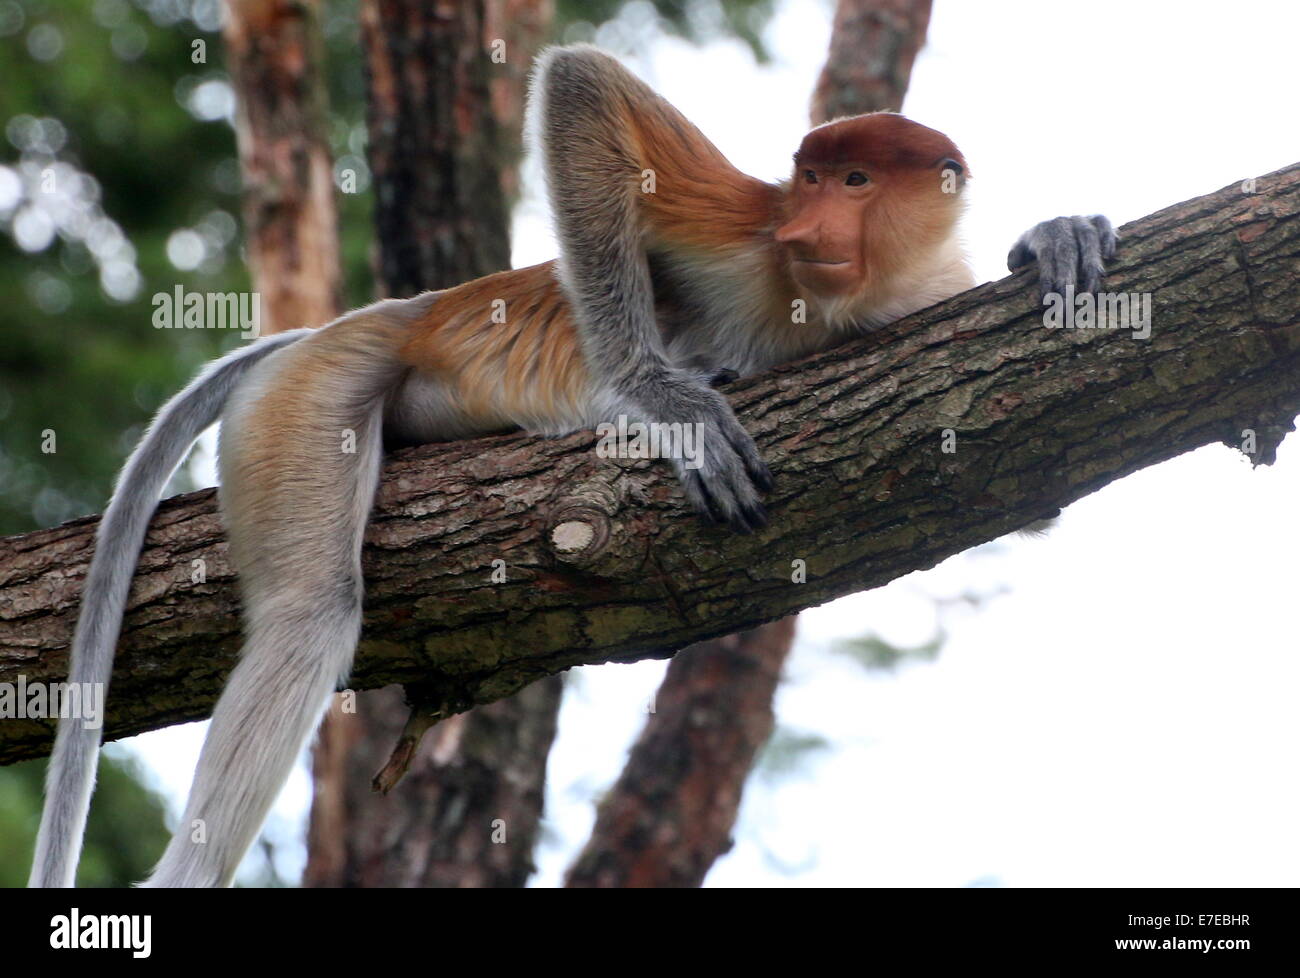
{"type": "Point", "coordinates": [71, 775]}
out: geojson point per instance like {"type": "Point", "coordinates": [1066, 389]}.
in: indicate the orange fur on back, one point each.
{"type": "Point", "coordinates": [509, 359]}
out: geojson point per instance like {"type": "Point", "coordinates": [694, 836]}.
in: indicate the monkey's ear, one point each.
{"type": "Point", "coordinates": [947, 166]}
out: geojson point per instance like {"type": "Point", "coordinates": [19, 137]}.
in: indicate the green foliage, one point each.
{"type": "Point", "coordinates": [125, 833]}
{"type": "Point", "coordinates": [696, 20]}
{"type": "Point", "coordinates": [788, 752]}
{"type": "Point", "coordinates": [79, 363]}
{"type": "Point", "coordinates": [873, 652]}
{"type": "Point", "coordinates": [114, 141]}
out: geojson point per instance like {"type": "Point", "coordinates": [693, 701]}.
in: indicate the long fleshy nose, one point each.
{"type": "Point", "coordinates": [804, 230]}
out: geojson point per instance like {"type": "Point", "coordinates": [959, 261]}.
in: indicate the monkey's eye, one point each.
{"type": "Point", "coordinates": [855, 179]}
{"type": "Point", "coordinates": [809, 176]}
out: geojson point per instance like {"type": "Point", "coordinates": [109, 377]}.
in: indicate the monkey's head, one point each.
{"type": "Point", "coordinates": [870, 195]}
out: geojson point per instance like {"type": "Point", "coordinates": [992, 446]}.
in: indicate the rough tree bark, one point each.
{"type": "Point", "coordinates": [865, 493]}
{"type": "Point", "coordinates": [290, 224]}
{"type": "Point", "coordinates": [653, 827]}
{"type": "Point", "coordinates": [468, 811]}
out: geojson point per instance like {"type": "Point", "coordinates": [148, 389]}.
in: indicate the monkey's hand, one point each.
{"type": "Point", "coordinates": [723, 377]}
{"type": "Point", "coordinates": [723, 474]}
{"type": "Point", "coordinates": [1069, 252]}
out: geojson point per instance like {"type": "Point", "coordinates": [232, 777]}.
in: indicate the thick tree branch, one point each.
{"type": "Point", "coordinates": [596, 550]}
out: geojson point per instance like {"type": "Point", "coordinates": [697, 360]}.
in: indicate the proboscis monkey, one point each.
{"type": "Point", "coordinates": [676, 269]}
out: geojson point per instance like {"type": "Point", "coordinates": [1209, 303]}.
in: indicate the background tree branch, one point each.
{"type": "Point", "coordinates": [273, 48]}
{"type": "Point", "coordinates": [864, 495]}
{"type": "Point", "coordinates": [874, 44]}
{"type": "Point", "coordinates": [669, 816]}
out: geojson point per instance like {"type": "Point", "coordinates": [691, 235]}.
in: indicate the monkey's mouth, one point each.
{"type": "Point", "coordinates": [821, 261]}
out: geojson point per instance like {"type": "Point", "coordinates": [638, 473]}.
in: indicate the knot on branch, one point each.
{"type": "Point", "coordinates": [578, 529]}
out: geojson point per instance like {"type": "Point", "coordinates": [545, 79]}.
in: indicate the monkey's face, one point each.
{"type": "Point", "coordinates": [824, 237]}
{"type": "Point", "coordinates": [867, 193]}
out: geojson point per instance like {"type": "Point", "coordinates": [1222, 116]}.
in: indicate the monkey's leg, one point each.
{"type": "Point", "coordinates": [300, 460]}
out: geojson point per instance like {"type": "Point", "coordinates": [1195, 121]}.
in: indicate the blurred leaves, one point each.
{"type": "Point", "coordinates": [873, 652]}
{"type": "Point", "coordinates": [787, 752]}
{"type": "Point", "coordinates": [696, 20]}
{"type": "Point", "coordinates": [119, 180]}
{"type": "Point", "coordinates": [125, 833]}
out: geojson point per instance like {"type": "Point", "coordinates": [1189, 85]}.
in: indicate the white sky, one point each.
{"type": "Point", "coordinates": [1123, 715]}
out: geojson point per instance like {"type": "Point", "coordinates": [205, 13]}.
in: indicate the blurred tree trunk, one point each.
{"type": "Point", "coordinates": [467, 812]}
{"type": "Point", "coordinates": [435, 147]}
{"type": "Point", "coordinates": [524, 26]}
{"type": "Point", "coordinates": [273, 48]}
{"type": "Point", "coordinates": [873, 46]}
{"type": "Point", "coordinates": [670, 814]}
{"type": "Point", "coordinates": [445, 87]}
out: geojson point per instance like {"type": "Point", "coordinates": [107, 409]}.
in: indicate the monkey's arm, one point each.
{"type": "Point", "coordinates": [603, 134]}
